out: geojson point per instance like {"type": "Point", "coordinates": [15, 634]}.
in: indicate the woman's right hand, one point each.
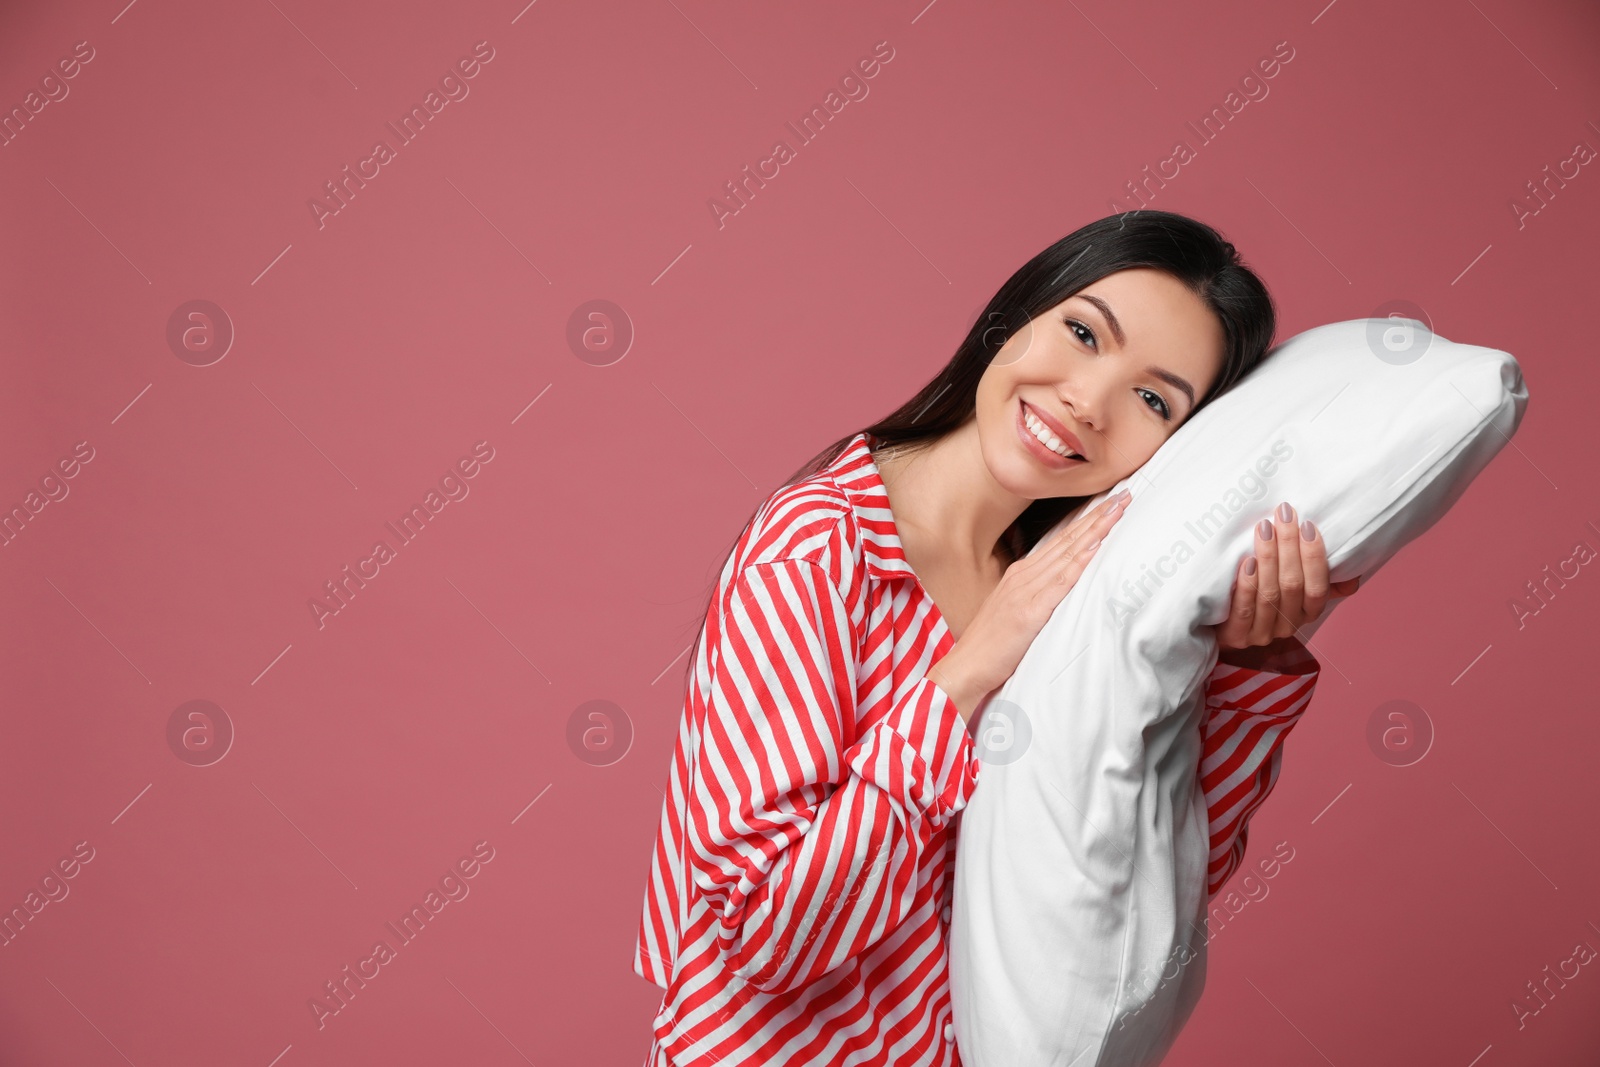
{"type": "Point", "coordinates": [988, 651]}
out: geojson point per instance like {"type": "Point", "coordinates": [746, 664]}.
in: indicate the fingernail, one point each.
{"type": "Point", "coordinates": [1308, 530]}
{"type": "Point", "coordinates": [1250, 565]}
{"type": "Point", "coordinates": [1123, 495]}
{"type": "Point", "coordinates": [1285, 512]}
{"type": "Point", "coordinates": [1264, 529]}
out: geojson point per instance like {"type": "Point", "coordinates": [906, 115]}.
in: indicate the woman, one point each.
{"type": "Point", "coordinates": [799, 896]}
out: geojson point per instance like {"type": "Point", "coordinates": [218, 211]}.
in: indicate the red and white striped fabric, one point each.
{"type": "Point", "coordinates": [1248, 714]}
{"type": "Point", "coordinates": [799, 895]}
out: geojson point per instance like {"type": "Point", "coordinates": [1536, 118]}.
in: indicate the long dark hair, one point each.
{"type": "Point", "coordinates": [1185, 248]}
{"type": "Point", "coordinates": [1189, 250]}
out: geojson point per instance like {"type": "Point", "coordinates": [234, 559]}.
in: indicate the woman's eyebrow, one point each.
{"type": "Point", "coordinates": [1173, 380]}
{"type": "Point", "coordinates": [1111, 318]}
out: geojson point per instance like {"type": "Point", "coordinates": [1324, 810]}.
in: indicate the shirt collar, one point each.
{"type": "Point", "coordinates": [855, 472]}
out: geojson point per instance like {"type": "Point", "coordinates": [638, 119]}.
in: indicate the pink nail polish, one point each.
{"type": "Point", "coordinates": [1308, 530]}
{"type": "Point", "coordinates": [1285, 512]}
{"type": "Point", "coordinates": [1250, 565]}
{"type": "Point", "coordinates": [1264, 529]}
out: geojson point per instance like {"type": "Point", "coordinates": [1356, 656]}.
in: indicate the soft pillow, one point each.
{"type": "Point", "coordinates": [1078, 933]}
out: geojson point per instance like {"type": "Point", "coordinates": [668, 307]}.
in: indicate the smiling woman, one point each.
{"type": "Point", "coordinates": [1111, 338]}
{"type": "Point", "coordinates": [800, 893]}
{"type": "Point", "coordinates": [1090, 397]}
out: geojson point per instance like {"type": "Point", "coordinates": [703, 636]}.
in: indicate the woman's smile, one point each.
{"type": "Point", "coordinates": [1047, 439]}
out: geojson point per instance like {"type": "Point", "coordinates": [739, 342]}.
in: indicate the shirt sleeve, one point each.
{"type": "Point", "coordinates": [1249, 714]}
{"type": "Point", "coordinates": [805, 836]}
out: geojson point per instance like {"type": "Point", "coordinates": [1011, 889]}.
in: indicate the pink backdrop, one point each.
{"type": "Point", "coordinates": [348, 362]}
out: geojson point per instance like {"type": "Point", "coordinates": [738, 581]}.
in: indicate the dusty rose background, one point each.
{"type": "Point", "coordinates": [363, 757]}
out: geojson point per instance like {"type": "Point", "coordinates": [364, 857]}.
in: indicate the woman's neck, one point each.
{"type": "Point", "coordinates": [943, 495]}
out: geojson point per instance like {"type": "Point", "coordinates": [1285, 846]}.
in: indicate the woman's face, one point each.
{"type": "Point", "coordinates": [1109, 373]}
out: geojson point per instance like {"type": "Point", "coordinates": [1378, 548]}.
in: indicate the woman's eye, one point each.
{"type": "Point", "coordinates": [1160, 405]}
{"type": "Point", "coordinates": [1087, 336]}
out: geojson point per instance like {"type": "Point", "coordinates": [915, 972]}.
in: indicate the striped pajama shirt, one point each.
{"type": "Point", "coordinates": [798, 899]}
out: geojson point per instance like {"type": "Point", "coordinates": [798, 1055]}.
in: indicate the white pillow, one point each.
{"type": "Point", "coordinates": [1078, 927]}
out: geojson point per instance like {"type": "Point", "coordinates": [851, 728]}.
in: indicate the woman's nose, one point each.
{"type": "Point", "coordinates": [1085, 405]}
{"type": "Point", "coordinates": [1091, 392]}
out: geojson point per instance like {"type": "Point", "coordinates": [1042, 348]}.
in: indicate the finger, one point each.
{"type": "Point", "coordinates": [1047, 587]}
{"type": "Point", "coordinates": [1235, 629]}
{"type": "Point", "coordinates": [1066, 575]}
{"type": "Point", "coordinates": [1053, 544]}
{"type": "Point", "coordinates": [1060, 570]}
{"type": "Point", "coordinates": [1291, 572]}
{"type": "Point", "coordinates": [1085, 530]}
{"type": "Point", "coordinates": [1267, 594]}
{"type": "Point", "coordinates": [1071, 529]}
{"type": "Point", "coordinates": [1089, 539]}
{"type": "Point", "coordinates": [1314, 562]}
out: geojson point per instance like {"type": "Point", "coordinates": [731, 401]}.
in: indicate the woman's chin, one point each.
{"type": "Point", "coordinates": [1021, 476]}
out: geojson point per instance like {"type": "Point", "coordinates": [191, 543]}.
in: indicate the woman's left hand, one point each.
{"type": "Point", "coordinates": [1283, 586]}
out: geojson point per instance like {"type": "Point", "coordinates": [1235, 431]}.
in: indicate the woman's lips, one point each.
{"type": "Point", "coordinates": [1045, 454]}
{"type": "Point", "coordinates": [1054, 425]}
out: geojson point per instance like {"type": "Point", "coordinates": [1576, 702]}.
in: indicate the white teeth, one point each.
{"type": "Point", "coordinates": [1050, 440]}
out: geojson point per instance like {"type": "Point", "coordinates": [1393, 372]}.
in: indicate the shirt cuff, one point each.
{"type": "Point", "coordinates": [922, 753]}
